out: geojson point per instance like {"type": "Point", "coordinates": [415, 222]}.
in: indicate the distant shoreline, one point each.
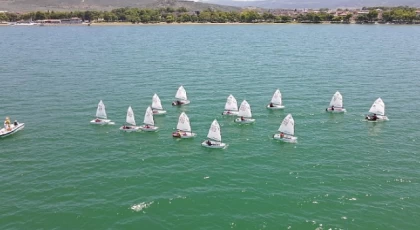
{"type": "Point", "coordinates": [205, 23]}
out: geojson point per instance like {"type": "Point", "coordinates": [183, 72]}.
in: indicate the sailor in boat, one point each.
{"type": "Point", "coordinates": [209, 142]}
{"type": "Point", "coordinates": [7, 124]}
{"type": "Point", "coordinates": [177, 102]}
{"type": "Point", "coordinates": [372, 118]}
{"type": "Point", "coordinates": [271, 105]}
{"type": "Point", "coordinates": [16, 123]}
{"type": "Point", "coordinates": [176, 134]}
{"type": "Point", "coordinates": [97, 120]}
{"type": "Point", "coordinates": [242, 118]}
{"type": "Point", "coordinates": [147, 126]}
{"type": "Point", "coordinates": [281, 135]}
{"type": "Point", "coordinates": [332, 108]}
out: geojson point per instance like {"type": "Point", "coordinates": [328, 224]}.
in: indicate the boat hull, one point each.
{"type": "Point", "coordinates": [379, 118]}
{"type": "Point", "coordinates": [13, 130]}
{"type": "Point", "coordinates": [275, 107]}
{"type": "Point", "coordinates": [183, 135]}
{"type": "Point", "coordinates": [129, 129]}
{"type": "Point", "coordinates": [214, 145]}
{"type": "Point", "coordinates": [158, 112]}
{"type": "Point", "coordinates": [149, 129]}
{"type": "Point", "coordinates": [230, 113]}
{"type": "Point", "coordinates": [101, 122]}
{"type": "Point", "coordinates": [336, 110]}
{"type": "Point", "coordinates": [246, 121]}
{"type": "Point", "coordinates": [285, 138]}
{"type": "Point", "coordinates": [182, 102]}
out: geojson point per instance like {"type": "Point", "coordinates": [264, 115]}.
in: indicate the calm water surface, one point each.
{"type": "Point", "coordinates": [344, 173]}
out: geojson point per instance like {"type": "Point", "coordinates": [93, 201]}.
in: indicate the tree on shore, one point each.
{"type": "Point", "coordinates": [348, 17]}
{"type": "Point", "coordinates": [372, 15]}
{"type": "Point", "coordinates": [3, 17]}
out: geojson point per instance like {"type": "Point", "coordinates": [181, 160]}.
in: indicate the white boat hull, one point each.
{"type": "Point", "coordinates": [336, 110]}
{"type": "Point", "coordinates": [149, 129]}
{"type": "Point", "coordinates": [214, 145]}
{"type": "Point", "coordinates": [13, 129]}
{"type": "Point", "coordinates": [379, 118]}
{"type": "Point", "coordinates": [101, 122]}
{"type": "Point", "coordinates": [275, 107]}
{"type": "Point", "coordinates": [158, 112]}
{"type": "Point", "coordinates": [245, 121]}
{"type": "Point", "coordinates": [184, 135]}
{"type": "Point", "coordinates": [230, 113]}
{"type": "Point", "coordinates": [129, 129]}
{"type": "Point", "coordinates": [285, 138]}
{"type": "Point", "coordinates": [182, 102]}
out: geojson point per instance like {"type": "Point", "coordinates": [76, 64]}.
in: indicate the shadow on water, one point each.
{"type": "Point", "coordinates": [375, 128]}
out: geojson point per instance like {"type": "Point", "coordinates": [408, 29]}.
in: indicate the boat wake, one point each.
{"type": "Point", "coordinates": [141, 206]}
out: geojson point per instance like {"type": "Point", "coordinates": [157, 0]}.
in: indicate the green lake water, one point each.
{"type": "Point", "coordinates": [60, 172]}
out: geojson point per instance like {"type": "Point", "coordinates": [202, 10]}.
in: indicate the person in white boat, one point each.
{"type": "Point", "coordinates": [16, 123]}
{"type": "Point", "coordinates": [332, 108]}
{"type": "Point", "coordinates": [282, 135]}
{"type": "Point", "coordinates": [177, 102]}
{"type": "Point", "coordinates": [209, 142]}
{"type": "Point", "coordinates": [271, 105]}
{"type": "Point", "coordinates": [374, 117]}
{"type": "Point", "coordinates": [242, 119]}
{"type": "Point", "coordinates": [7, 124]}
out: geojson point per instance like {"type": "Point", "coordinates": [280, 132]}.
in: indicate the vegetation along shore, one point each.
{"type": "Point", "coordinates": [389, 15]}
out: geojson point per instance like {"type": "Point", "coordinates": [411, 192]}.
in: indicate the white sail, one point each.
{"type": "Point", "coordinates": [156, 103]}
{"type": "Point", "coordinates": [148, 117]}
{"type": "Point", "coordinates": [245, 110]}
{"type": "Point", "coordinates": [231, 103]}
{"type": "Point", "coordinates": [214, 132]}
{"type": "Point", "coordinates": [181, 93]}
{"type": "Point", "coordinates": [184, 123]}
{"type": "Point", "coordinates": [100, 112]}
{"type": "Point", "coordinates": [276, 99]}
{"type": "Point", "coordinates": [378, 107]}
{"type": "Point", "coordinates": [337, 100]}
{"type": "Point", "coordinates": [288, 125]}
{"type": "Point", "coordinates": [130, 117]}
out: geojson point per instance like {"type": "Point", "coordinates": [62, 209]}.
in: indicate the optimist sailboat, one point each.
{"type": "Point", "coordinates": [10, 129]}
{"type": "Point", "coordinates": [245, 115]}
{"type": "Point", "coordinates": [149, 122]}
{"type": "Point", "coordinates": [287, 130]}
{"type": "Point", "coordinates": [131, 122]}
{"type": "Point", "coordinates": [157, 105]}
{"type": "Point", "coordinates": [214, 137]}
{"type": "Point", "coordinates": [231, 106]}
{"type": "Point", "coordinates": [336, 104]}
{"type": "Point", "coordinates": [101, 118]}
{"type": "Point", "coordinates": [181, 96]}
{"type": "Point", "coordinates": [276, 102]}
{"type": "Point", "coordinates": [183, 127]}
{"type": "Point", "coordinates": [377, 111]}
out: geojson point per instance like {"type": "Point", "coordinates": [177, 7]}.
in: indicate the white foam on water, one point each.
{"type": "Point", "coordinates": [141, 206]}
{"type": "Point", "coordinates": [353, 198]}
{"type": "Point", "coordinates": [206, 177]}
